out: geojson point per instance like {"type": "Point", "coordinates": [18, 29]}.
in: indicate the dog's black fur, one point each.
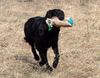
{"type": "Point", "coordinates": [38, 36]}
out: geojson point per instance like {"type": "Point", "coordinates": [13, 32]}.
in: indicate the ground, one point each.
{"type": "Point", "coordinates": [79, 46]}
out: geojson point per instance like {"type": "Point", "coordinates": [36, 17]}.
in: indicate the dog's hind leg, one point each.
{"type": "Point", "coordinates": [44, 60]}
{"type": "Point", "coordinates": [36, 57]}
{"type": "Point", "coordinates": [43, 56]}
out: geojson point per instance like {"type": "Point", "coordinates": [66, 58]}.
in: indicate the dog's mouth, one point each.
{"type": "Point", "coordinates": [54, 21]}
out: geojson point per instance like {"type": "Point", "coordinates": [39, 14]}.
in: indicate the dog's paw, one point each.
{"type": "Point", "coordinates": [37, 58]}
{"type": "Point", "coordinates": [42, 63]}
{"type": "Point", "coordinates": [55, 63]}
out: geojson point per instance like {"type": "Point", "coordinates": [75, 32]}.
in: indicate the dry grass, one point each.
{"type": "Point", "coordinates": [79, 46]}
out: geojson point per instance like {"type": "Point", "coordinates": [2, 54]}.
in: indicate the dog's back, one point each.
{"type": "Point", "coordinates": [31, 27]}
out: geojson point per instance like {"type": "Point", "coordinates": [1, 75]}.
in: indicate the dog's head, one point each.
{"type": "Point", "coordinates": [55, 13]}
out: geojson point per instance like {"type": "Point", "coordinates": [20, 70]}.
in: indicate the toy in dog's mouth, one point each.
{"type": "Point", "coordinates": [58, 23]}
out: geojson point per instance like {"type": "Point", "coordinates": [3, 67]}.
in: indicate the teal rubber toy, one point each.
{"type": "Point", "coordinates": [70, 21]}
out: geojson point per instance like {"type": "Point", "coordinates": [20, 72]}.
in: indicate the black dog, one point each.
{"type": "Point", "coordinates": [38, 36]}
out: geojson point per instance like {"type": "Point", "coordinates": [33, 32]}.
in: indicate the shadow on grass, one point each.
{"type": "Point", "coordinates": [25, 59]}
{"type": "Point", "coordinates": [29, 59]}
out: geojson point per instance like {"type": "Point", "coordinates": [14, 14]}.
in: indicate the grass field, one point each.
{"type": "Point", "coordinates": [79, 46]}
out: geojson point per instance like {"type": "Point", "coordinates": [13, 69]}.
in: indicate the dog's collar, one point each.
{"type": "Point", "coordinates": [49, 23]}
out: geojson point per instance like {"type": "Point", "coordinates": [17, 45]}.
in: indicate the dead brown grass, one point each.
{"type": "Point", "coordinates": [79, 46]}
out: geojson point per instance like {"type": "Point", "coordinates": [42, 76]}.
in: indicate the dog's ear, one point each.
{"type": "Point", "coordinates": [55, 13]}
{"type": "Point", "coordinates": [49, 14]}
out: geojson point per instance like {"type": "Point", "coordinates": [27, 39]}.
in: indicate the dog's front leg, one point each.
{"type": "Point", "coordinates": [56, 59]}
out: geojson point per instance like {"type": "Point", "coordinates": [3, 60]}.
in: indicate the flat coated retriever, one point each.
{"type": "Point", "coordinates": [40, 39]}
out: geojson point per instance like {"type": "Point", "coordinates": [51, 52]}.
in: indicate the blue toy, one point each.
{"type": "Point", "coordinates": [70, 21]}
